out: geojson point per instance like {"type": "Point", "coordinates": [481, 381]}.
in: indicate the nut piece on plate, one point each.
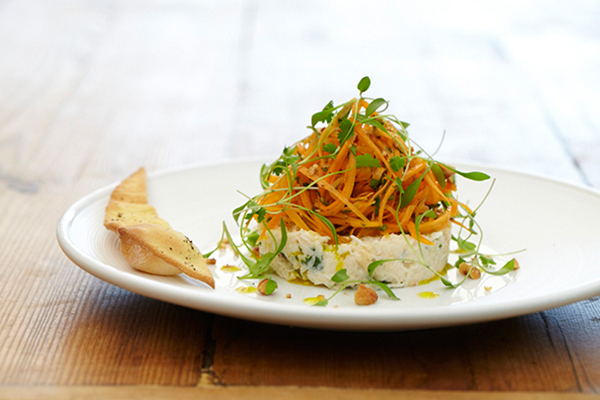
{"type": "Point", "coordinates": [148, 242]}
{"type": "Point", "coordinates": [262, 287]}
{"type": "Point", "coordinates": [517, 266]}
{"type": "Point", "coordinates": [365, 296]}
{"type": "Point", "coordinates": [464, 269]}
{"type": "Point", "coordinates": [174, 248]}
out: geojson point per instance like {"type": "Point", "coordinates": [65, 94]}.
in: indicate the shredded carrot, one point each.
{"type": "Point", "coordinates": [363, 200]}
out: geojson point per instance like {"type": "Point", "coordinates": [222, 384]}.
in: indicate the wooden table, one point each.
{"type": "Point", "coordinates": [90, 91]}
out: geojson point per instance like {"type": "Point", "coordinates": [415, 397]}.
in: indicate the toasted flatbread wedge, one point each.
{"type": "Point", "coordinates": [150, 247]}
{"type": "Point", "coordinates": [166, 244]}
{"type": "Point", "coordinates": [128, 204]}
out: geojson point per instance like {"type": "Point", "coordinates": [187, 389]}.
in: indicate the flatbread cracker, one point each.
{"type": "Point", "coordinates": [166, 244]}
{"type": "Point", "coordinates": [128, 204]}
{"type": "Point", "coordinates": [147, 241]}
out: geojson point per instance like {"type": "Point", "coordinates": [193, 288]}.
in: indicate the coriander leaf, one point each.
{"type": "Point", "coordinates": [260, 214]}
{"type": "Point", "coordinates": [375, 104]}
{"type": "Point", "coordinates": [252, 238]}
{"type": "Point", "coordinates": [329, 148]}
{"type": "Point", "coordinates": [486, 261]}
{"type": "Point", "coordinates": [322, 303]}
{"type": "Point", "coordinates": [255, 210]}
{"type": "Point", "coordinates": [397, 163]}
{"type": "Point", "coordinates": [346, 130]}
{"type": "Point", "coordinates": [364, 84]}
{"type": "Point", "coordinates": [367, 160]}
{"type": "Point", "coordinates": [340, 276]}
{"type": "Point", "coordinates": [271, 286]}
{"type": "Point", "coordinates": [259, 267]}
{"type": "Point", "coordinates": [325, 115]}
{"type": "Point", "coordinates": [353, 149]}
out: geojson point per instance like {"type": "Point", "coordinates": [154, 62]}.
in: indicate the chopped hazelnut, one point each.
{"type": "Point", "coordinates": [313, 169]}
{"type": "Point", "coordinates": [365, 296]}
{"type": "Point", "coordinates": [262, 287]}
{"type": "Point", "coordinates": [464, 268]}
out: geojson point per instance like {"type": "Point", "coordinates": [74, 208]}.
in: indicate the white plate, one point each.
{"type": "Point", "coordinates": [557, 223]}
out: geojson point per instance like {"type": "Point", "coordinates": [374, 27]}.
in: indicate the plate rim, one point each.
{"type": "Point", "coordinates": [312, 317]}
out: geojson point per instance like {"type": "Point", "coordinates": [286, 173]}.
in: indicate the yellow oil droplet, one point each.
{"type": "Point", "coordinates": [300, 281]}
{"type": "Point", "coordinates": [230, 268]}
{"type": "Point", "coordinates": [314, 300]}
{"type": "Point", "coordinates": [338, 257]}
{"type": "Point", "coordinates": [428, 295]}
{"type": "Point", "coordinates": [442, 272]}
{"type": "Point", "coordinates": [246, 289]}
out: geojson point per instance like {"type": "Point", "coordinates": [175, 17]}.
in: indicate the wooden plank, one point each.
{"type": "Point", "coordinates": [287, 393]}
{"type": "Point", "coordinates": [63, 326]}
{"type": "Point", "coordinates": [577, 325]}
{"type": "Point", "coordinates": [91, 91]}
{"type": "Point", "coordinates": [519, 354]}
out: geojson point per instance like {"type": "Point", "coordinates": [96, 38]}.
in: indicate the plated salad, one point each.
{"type": "Point", "coordinates": [358, 203]}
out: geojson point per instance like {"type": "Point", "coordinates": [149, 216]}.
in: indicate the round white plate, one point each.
{"type": "Point", "coordinates": [556, 222]}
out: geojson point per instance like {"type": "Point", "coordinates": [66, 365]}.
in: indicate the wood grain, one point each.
{"type": "Point", "coordinates": [243, 393]}
{"type": "Point", "coordinates": [526, 353]}
{"type": "Point", "coordinates": [90, 91]}
{"type": "Point", "coordinates": [62, 326]}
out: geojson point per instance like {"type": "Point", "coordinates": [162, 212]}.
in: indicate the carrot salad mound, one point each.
{"type": "Point", "coordinates": [355, 178]}
{"type": "Point", "coordinates": [360, 174]}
